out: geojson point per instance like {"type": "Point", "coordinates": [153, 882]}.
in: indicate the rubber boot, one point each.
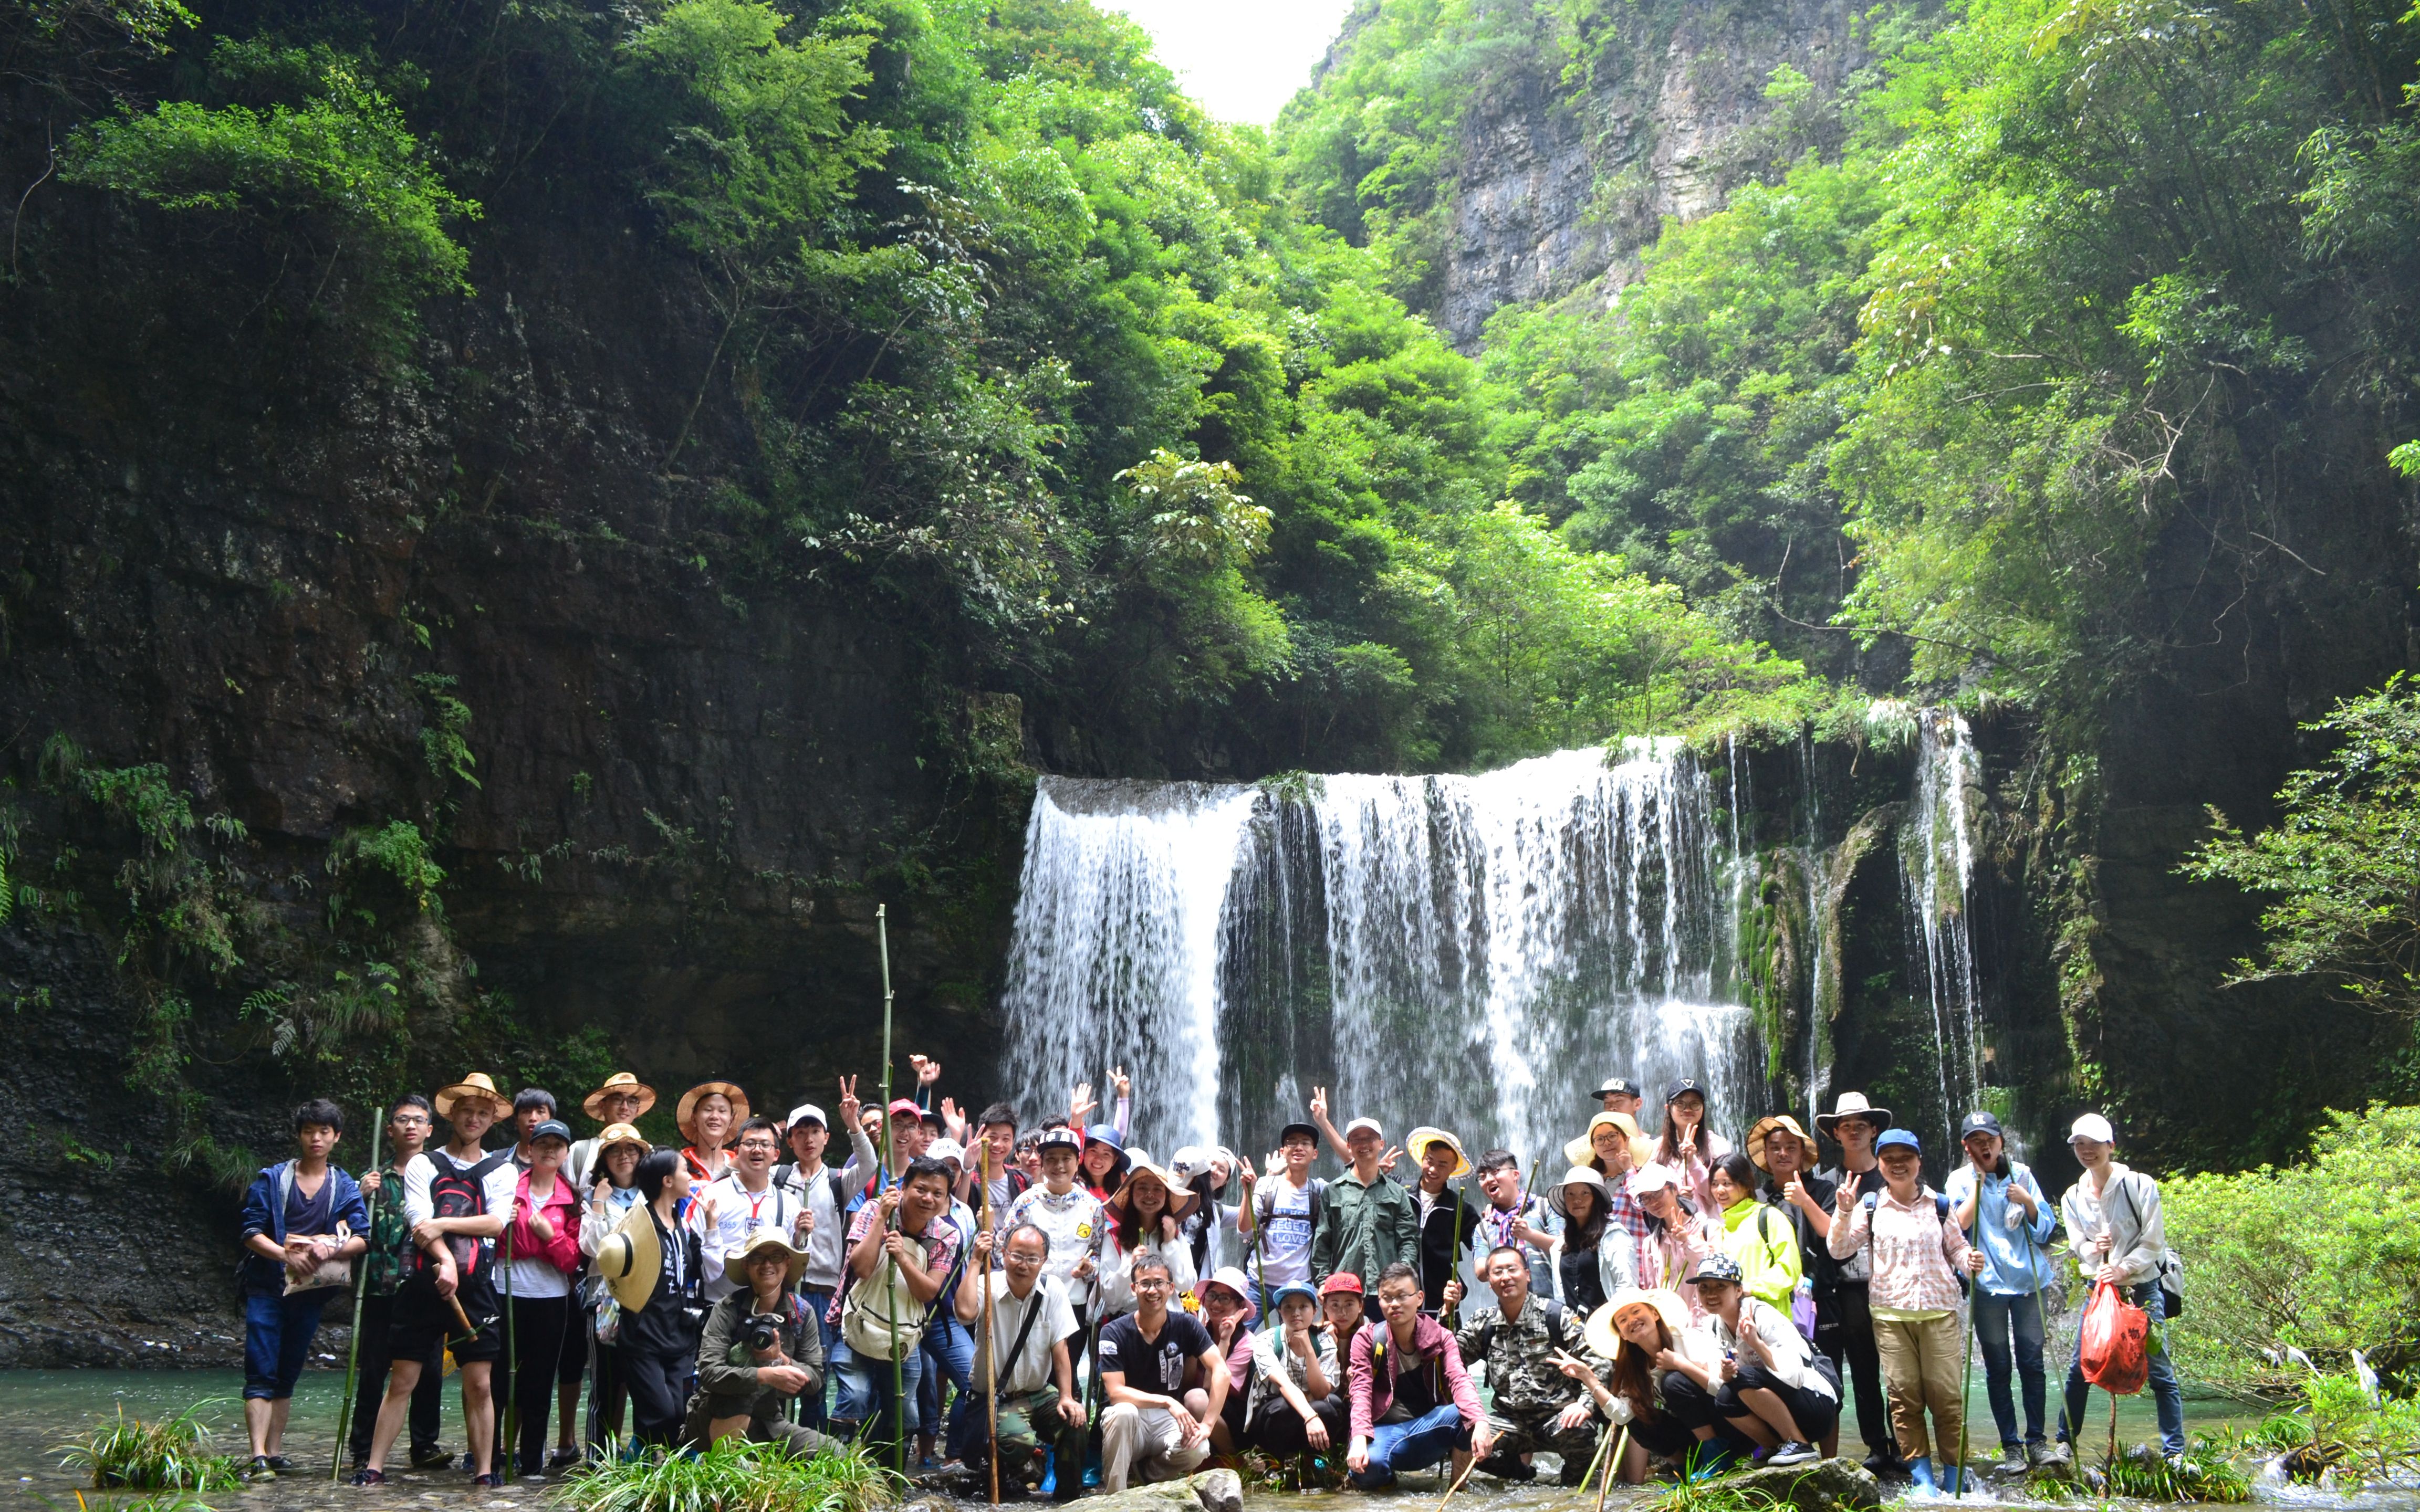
{"type": "Point", "coordinates": [1920, 1469]}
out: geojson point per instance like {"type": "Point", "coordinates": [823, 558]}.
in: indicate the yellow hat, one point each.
{"type": "Point", "coordinates": [631, 1258]}
{"type": "Point", "coordinates": [1583, 1150]}
{"type": "Point", "coordinates": [476, 1084]}
{"type": "Point", "coordinates": [621, 1081]}
{"type": "Point", "coordinates": [621, 1133]}
{"type": "Point", "coordinates": [1420, 1139]}
{"type": "Point", "coordinates": [689, 1106]}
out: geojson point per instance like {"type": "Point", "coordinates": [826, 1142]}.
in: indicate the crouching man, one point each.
{"type": "Point", "coordinates": [761, 1350]}
{"type": "Point", "coordinates": [1535, 1405]}
{"type": "Point", "coordinates": [1166, 1382]}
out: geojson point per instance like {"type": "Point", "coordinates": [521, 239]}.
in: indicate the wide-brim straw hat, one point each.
{"type": "Point", "coordinates": [1763, 1131]}
{"type": "Point", "coordinates": [475, 1085]}
{"type": "Point", "coordinates": [1604, 1340]}
{"type": "Point", "coordinates": [769, 1236]}
{"type": "Point", "coordinates": [631, 1258]}
{"type": "Point", "coordinates": [1180, 1197]}
{"type": "Point", "coordinates": [620, 1082]}
{"type": "Point", "coordinates": [1577, 1176]}
{"type": "Point", "coordinates": [621, 1133]}
{"type": "Point", "coordinates": [1583, 1150]}
{"type": "Point", "coordinates": [1850, 1105]}
{"type": "Point", "coordinates": [689, 1106]}
{"type": "Point", "coordinates": [1420, 1139]}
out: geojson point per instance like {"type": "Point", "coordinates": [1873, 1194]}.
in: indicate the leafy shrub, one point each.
{"type": "Point", "coordinates": [173, 1455]}
{"type": "Point", "coordinates": [2322, 1256]}
{"type": "Point", "coordinates": [731, 1476]}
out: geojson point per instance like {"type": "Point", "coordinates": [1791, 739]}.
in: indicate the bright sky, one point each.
{"type": "Point", "coordinates": [1242, 59]}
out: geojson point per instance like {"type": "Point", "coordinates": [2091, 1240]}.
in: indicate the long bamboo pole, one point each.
{"type": "Point", "coordinates": [890, 1290]}
{"type": "Point", "coordinates": [990, 1339]}
{"type": "Point", "coordinates": [353, 1350]}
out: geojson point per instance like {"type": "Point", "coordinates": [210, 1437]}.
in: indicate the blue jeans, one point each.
{"type": "Point", "coordinates": [1997, 1319]}
{"type": "Point", "coordinates": [2167, 1397]}
{"type": "Point", "coordinates": [1414, 1446]}
{"type": "Point", "coordinates": [949, 1352]}
{"type": "Point", "coordinates": [866, 1397]}
{"type": "Point", "coordinates": [277, 1339]}
{"type": "Point", "coordinates": [811, 1408]}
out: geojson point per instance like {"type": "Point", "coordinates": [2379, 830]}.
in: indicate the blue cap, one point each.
{"type": "Point", "coordinates": [1896, 1136]}
{"type": "Point", "coordinates": [1105, 1133]}
{"type": "Point", "coordinates": [1294, 1289]}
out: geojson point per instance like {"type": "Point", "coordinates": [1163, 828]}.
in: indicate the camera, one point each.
{"type": "Point", "coordinates": [760, 1333]}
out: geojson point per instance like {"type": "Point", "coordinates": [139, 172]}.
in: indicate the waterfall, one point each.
{"type": "Point", "coordinates": [1472, 951]}
{"type": "Point", "coordinates": [1937, 870]}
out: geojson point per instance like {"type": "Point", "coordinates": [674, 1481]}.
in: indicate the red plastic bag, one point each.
{"type": "Point", "coordinates": [2116, 1337]}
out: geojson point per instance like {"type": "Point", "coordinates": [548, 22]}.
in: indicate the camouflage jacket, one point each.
{"type": "Point", "coordinates": [1519, 1356]}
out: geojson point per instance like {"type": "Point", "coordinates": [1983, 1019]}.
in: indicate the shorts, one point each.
{"type": "Point", "coordinates": [423, 1321]}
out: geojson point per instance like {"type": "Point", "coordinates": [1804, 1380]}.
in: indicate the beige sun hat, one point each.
{"type": "Point", "coordinates": [769, 1236]}
{"type": "Point", "coordinates": [1604, 1340]}
{"type": "Point", "coordinates": [1180, 1197]}
{"type": "Point", "coordinates": [689, 1106]}
{"type": "Point", "coordinates": [1577, 1176]}
{"type": "Point", "coordinates": [475, 1085]}
{"type": "Point", "coordinates": [631, 1258]}
{"type": "Point", "coordinates": [1420, 1139]}
{"type": "Point", "coordinates": [620, 1082]}
{"type": "Point", "coordinates": [1583, 1150]}
{"type": "Point", "coordinates": [1763, 1130]}
{"type": "Point", "coordinates": [1850, 1105]}
{"type": "Point", "coordinates": [621, 1133]}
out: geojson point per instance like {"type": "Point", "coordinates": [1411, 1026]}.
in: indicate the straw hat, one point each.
{"type": "Point", "coordinates": [1604, 1340]}
{"type": "Point", "coordinates": [1180, 1197]}
{"type": "Point", "coordinates": [620, 1082]}
{"type": "Point", "coordinates": [1764, 1131]}
{"type": "Point", "coordinates": [1583, 1150]}
{"type": "Point", "coordinates": [631, 1258]}
{"type": "Point", "coordinates": [1850, 1105]}
{"type": "Point", "coordinates": [1420, 1139]}
{"type": "Point", "coordinates": [475, 1085]}
{"type": "Point", "coordinates": [621, 1133]}
{"type": "Point", "coordinates": [689, 1106]}
{"type": "Point", "coordinates": [769, 1236]}
{"type": "Point", "coordinates": [1577, 1176]}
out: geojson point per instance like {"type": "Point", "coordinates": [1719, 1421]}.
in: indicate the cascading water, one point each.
{"type": "Point", "coordinates": [1470, 951]}
{"type": "Point", "coordinates": [1937, 870]}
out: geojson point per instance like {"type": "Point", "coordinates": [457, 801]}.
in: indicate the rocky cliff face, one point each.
{"type": "Point", "coordinates": [1570, 162]}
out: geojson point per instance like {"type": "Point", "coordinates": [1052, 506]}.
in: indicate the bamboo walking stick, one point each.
{"type": "Point", "coordinates": [1604, 1487]}
{"type": "Point", "coordinates": [508, 1416]}
{"type": "Point", "coordinates": [1966, 1372]}
{"type": "Point", "coordinates": [890, 1289]}
{"type": "Point", "coordinates": [353, 1350]}
{"type": "Point", "coordinates": [991, 1340]}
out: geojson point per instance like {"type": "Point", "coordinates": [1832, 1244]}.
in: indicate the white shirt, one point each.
{"type": "Point", "coordinates": [739, 1213]}
{"type": "Point", "coordinates": [1282, 1211]}
{"type": "Point", "coordinates": [826, 1244]}
{"type": "Point", "coordinates": [1069, 1221]}
{"type": "Point", "coordinates": [1794, 1357]}
{"type": "Point", "coordinates": [498, 1189]}
{"type": "Point", "coordinates": [1031, 1370]}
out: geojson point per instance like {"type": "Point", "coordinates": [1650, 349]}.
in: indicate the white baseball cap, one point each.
{"type": "Point", "coordinates": [948, 1150]}
{"type": "Point", "coordinates": [1359, 1124]}
{"type": "Point", "coordinates": [2094, 1127]}
{"type": "Point", "coordinates": [808, 1113]}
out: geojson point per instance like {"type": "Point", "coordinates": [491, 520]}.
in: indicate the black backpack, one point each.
{"type": "Point", "coordinates": [1941, 1215]}
{"type": "Point", "coordinates": [788, 1172]}
{"type": "Point", "coordinates": [461, 1192]}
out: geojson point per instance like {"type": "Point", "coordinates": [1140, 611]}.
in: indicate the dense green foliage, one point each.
{"type": "Point", "coordinates": [2344, 865]}
{"type": "Point", "coordinates": [2322, 1256]}
{"type": "Point", "coordinates": [731, 1476]}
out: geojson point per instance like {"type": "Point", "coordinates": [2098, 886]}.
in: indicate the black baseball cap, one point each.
{"type": "Point", "coordinates": [1619, 1086]}
{"type": "Point", "coordinates": [1686, 1084]}
{"type": "Point", "coordinates": [1975, 1123]}
{"type": "Point", "coordinates": [1309, 1131]}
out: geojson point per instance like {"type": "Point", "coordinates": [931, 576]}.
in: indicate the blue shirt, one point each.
{"type": "Point", "coordinates": [2016, 1261]}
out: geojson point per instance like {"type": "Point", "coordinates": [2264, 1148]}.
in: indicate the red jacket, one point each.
{"type": "Point", "coordinates": [562, 1207]}
{"type": "Point", "coordinates": [1433, 1350]}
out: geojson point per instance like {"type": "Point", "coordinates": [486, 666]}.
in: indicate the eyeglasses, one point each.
{"type": "Point", "coordinates": [407, 1119]}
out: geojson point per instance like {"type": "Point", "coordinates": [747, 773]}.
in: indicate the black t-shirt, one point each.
{"type": "Point", "coordinates": [1158, 1365]}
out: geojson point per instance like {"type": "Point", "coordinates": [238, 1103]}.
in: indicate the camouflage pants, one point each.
{"type": "Point", "coordinates": [1532, 1430]}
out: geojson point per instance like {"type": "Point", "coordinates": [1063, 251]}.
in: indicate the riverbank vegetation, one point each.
{"type": "Point", "coordinates": [174, 1454]}
{"type": "Point", "coordinates": [731, 1476]}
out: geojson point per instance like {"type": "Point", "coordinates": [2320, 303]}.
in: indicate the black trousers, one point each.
{"type": "Point", "coordinates": [608, 1394]}
{"type": "Point", "coordinates": [1279, 1431]}
{"type": "Point", "coordinates": [1862, 1363]}
{"type": "Point", "coordinates": [658, 1386]}
{"type": "Point", "coordinates": [546, 1350]}
{"type": "Point", "coordinates": [378, 1314]}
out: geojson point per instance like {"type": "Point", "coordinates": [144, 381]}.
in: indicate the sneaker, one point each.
{"type": "Point", "coordinates": [2039, 1453]}
{"type": "Point", "coordinates": [431, 1457]}
{"type": "Point", "coordinates": [2012, 1461]}
{"type": "Point", "coordinates": [366, 1477]}
{"type": "Point", "coordinates": [261, 1469]}
{"type": "Point", "coordinates": [487, 1479]}
{"type": "Point", "coordinates": [1792, 1453]}
{"type": "Point", "coordinates": [2060, 1453]}
{"type": "Point", "coordinates": [280, 1464]}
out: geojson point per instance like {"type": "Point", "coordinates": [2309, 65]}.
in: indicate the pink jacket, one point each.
{"type": "Point", "coordinates": [1432, 1347]}
{"type": "Point", "coordinates": [562, 1207]}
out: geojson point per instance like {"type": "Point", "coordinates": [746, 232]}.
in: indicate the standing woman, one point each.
{"type": "Point", "coordinates": [1759, 1238]}
{"type": "Point", "coordinates": [1142, 1215]}
{"type": "Point", "coordinates": [619, 1150]}
{"type": "Point", "coordinates": [1647, 1335]}
{"type": "Point", "coordinates": [1917, 1251]}
{"type": "Point", "coordinates": [708, 1111]}
{"type": "Point", "coordinates": [1687, 1147]}
{"type": "Point", "coordinates": [547, 1332]}
{"type": "Point", "coordinates": [1588, 1270]}
{"type": "Point", "coordinates": [655, 1265]}
{"type": "Point", "coordinates": [1997, 1200]}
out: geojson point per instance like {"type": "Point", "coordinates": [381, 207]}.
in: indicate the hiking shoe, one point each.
{"type": "Point", "coordinates": [431, 1457]}
{"type": "Point", "coordinates": [280, 1464]}
{"type": "Point", "coordinates": [366, 1477]}
{"type": "Point", "coordinates": [2012, 1461]}
{"type": "Point", "coordinates": [2057, 1454]}
{"type": "Point", "coordinates": [1885, 1464]}
{"type": "Point", "coordinates": [563, 1459]}
{"type": "Point", "coordinates": [487, 1479]}
{"type": "Point", "coordinates": [261, 1469]}
{"type": "Point", "coordinates": [1792, 1453]}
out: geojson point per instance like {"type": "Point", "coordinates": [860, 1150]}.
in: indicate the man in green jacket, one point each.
{"type": "Point", "coordinates": [1368, 1221]}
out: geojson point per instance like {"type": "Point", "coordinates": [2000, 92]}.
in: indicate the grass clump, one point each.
{"type": "Point", "coordinates": [1713, 1496]}
{"type": "Point", "coordinates": [731, 1476]}
{"type": "Point", "coordinates": [175, 1454]}
{"type": "Point", "coordinates": [2206, 1472]}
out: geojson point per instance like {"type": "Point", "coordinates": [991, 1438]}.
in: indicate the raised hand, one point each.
{"type": "Point", "coordinates": [1387, 1161]}
{"type": "Point", "coordinates": [927, 1071]}
{"type": "Point", "coordinates": [1080, 1102]}
{"type": "Point", "coordinates": [953, 1121]}
{"type": "Point", "coordinates": [1319, 1103]}
{"type": "Point", "coordinates": [1124, 1082]}
{"type": "Point", "coordinates": [849, 1106]}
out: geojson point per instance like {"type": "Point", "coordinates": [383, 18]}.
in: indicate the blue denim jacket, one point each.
{"type": "Point", "coordinates": [2016, 1261]}
{"type": "Point", "coordinates": [264, 1212]}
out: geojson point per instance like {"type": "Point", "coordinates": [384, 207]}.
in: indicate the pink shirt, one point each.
{"type": "Point", "coordinates": [1917, 1256]}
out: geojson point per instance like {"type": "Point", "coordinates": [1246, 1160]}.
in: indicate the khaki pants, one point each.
{"type": "Point", "coordinates": [1145, 1445]}
{"type": "Point", "coordinates": [1920, 1369]}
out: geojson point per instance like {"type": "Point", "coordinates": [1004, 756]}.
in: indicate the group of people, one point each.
{"type": "Point", "coordinates": [1048, 1300]}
